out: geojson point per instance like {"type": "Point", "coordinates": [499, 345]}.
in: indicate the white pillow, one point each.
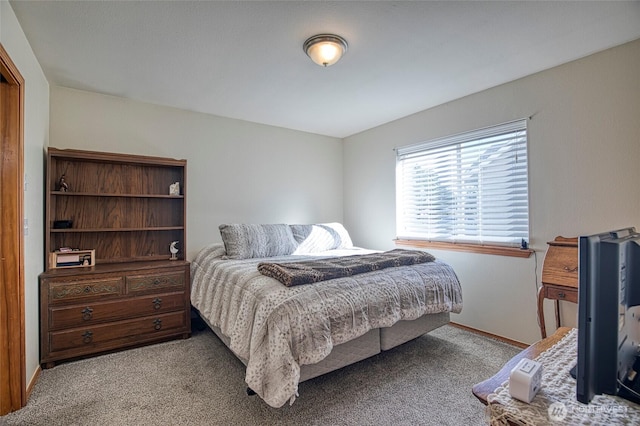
{"type": "Point", "coordinates": [320, 237]}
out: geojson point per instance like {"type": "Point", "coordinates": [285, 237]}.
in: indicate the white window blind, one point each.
{"type": "Point", "coordinates": [469, 188]}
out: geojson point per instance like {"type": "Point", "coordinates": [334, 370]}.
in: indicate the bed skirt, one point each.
{"type": "Point", "coordinates": [365, 346]}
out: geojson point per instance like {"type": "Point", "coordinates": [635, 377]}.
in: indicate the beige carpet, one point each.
{"type": "Point", "coordinates": [199, 382]}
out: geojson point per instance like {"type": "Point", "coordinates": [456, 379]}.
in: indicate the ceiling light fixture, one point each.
{"type": "Point", "coordinates": [325, 49]}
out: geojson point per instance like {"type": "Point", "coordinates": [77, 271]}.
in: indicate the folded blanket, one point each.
{"type": "Point", "coordinates": [313, 271]}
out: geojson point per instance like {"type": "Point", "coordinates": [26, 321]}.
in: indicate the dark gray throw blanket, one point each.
{"type": "Point", "coordinates": [313, 271]}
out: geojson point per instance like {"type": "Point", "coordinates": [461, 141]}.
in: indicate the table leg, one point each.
{"type": "Point", "coordinates": [541, 293]}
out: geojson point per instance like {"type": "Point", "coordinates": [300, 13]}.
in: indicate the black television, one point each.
{"type": "Point", "coordinates": [608, 315]}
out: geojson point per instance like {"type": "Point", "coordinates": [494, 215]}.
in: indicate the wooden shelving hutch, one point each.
{"type": "Point", "coordinates": [120, 206]}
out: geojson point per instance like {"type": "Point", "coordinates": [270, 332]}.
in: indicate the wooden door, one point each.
{"type": "Point", "coordinates": [12, 352]}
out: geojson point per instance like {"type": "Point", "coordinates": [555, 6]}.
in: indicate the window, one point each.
{"type": "Point", "coordinates": [466, 188]}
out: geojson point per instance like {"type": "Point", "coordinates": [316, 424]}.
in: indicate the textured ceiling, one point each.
{"type": "Point", "coordinates": [244, 60]}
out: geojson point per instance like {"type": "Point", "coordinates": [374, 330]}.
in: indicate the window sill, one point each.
{"type": "Point", "coordinates": [470, 248]}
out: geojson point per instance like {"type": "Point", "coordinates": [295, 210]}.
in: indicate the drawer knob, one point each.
{"type": "Point", "coordinates": [561, 295]}
{"type": "Point", "coordinates": [87, 336]}
{"type": "Point", "coordinates": [87, 313]}
{"type": "Point", "coordinates": [156, 281]}
{"type": "Point", "coordinates": [157, 303]}
{"type": "Point", "coordinates": [87, 289]}
{"type": "Point", "coordinates": [157, 323]}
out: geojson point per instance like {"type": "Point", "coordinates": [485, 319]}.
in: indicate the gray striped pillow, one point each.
{"type": "Point", "coordinates": [247, 241]}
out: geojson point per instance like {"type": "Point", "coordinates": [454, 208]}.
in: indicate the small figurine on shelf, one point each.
{"type": "Point", "coordinates": [174, 251]}
{"type": "Point", "coordinates": [174, 188]}
{"type": "Point", "coordinates": [63, 186]}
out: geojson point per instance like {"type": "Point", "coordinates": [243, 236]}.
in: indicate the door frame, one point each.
{"type": "Point", "coordinates": [13, 393]}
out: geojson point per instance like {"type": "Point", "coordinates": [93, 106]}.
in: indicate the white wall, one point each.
{"type": "Point", "coordinates": [236, 171]}
{"type": "Point", "coordinates": [584, 152]}
{"type": "Point", "coordinates": [36, 134]}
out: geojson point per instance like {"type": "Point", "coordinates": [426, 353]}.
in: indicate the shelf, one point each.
{"type": "Point", "coordinates": [94, 194]}
{"type": "Point", "coordinates": [119, 205]}
{"type": "Point", "coordinates": [155, 228]}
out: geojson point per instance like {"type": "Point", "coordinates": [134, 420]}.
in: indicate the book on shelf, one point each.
{"type": "Point", "coordinates": [68, 257]}
{"type": "Point", "coordinates": [72, 259]}
{"type": "Point", "coordinates": [63, 264]}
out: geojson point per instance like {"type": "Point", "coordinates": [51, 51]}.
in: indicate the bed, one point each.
{"type": "Point", "coordinates": [286, 332]}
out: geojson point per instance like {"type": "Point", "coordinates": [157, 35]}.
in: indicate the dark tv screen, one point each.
{"type": "Point", "coordinates": [608, 315]}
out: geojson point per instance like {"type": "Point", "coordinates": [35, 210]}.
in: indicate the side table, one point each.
{"type": "Point", "coordinates": [483, 389]}
{"type": "Point", "coordinates": [556, 401]}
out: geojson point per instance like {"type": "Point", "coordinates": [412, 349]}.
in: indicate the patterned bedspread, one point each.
{"type": "Point", "coordinates": [276, 329]}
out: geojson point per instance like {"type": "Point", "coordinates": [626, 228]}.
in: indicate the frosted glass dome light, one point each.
{"type": "Point", "coordinates": [325, 49]}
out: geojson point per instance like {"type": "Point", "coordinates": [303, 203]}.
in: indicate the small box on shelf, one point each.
{"type": "Point", "coordinates": [72, 259]}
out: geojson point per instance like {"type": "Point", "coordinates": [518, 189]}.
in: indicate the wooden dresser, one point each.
{"type": "Point", "coordinates": [559, 277]}
{"type": "Point", "coordinates": [111, 307]}
{"type": "Point", "coordinates": [129, 213]}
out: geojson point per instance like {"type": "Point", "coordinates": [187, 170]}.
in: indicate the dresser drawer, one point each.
{"type": "Point", "coordinates": [568, 294]}
{"type": "Point", "coordinates": [70, 291]}
{"type": "Point", "coordinates": [92, 338]}
{"type": "Point", "coordinates": [82, 315]}
{"type": "Point", "coordinates": [138, 284]}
